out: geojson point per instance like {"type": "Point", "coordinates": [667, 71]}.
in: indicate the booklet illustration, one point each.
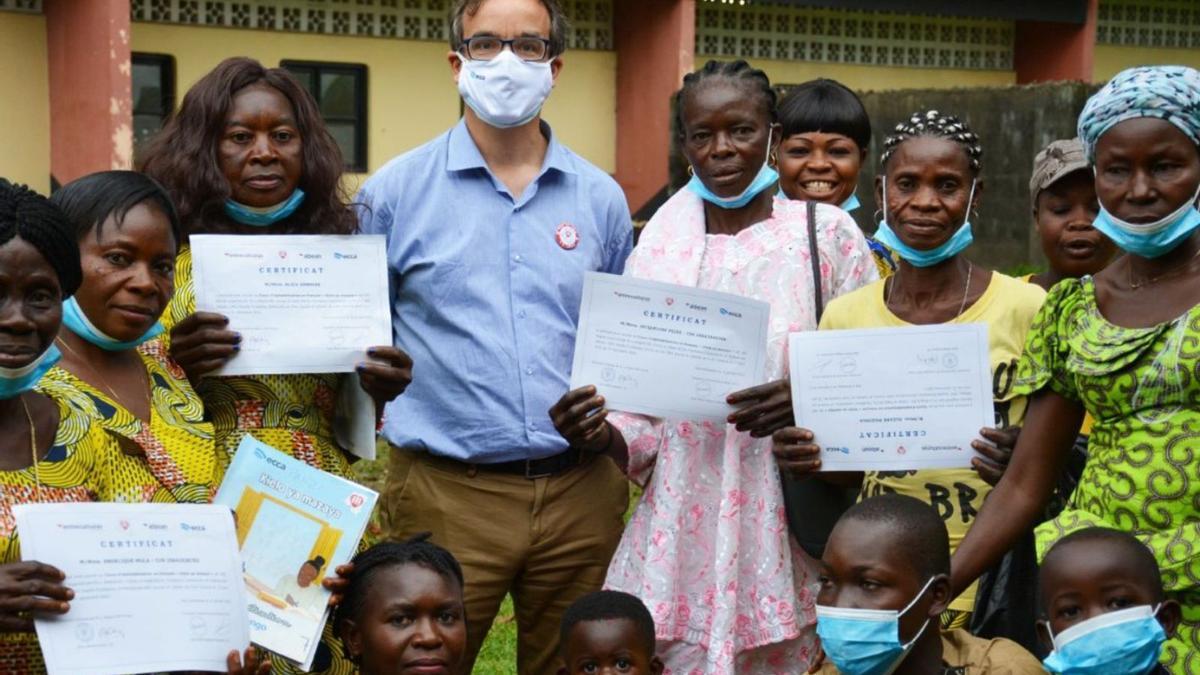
{"type": "Point", "coordinates": [295, 525]}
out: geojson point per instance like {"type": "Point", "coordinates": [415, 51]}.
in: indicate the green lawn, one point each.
{"type": "Point", "coordinates": [498, 656]}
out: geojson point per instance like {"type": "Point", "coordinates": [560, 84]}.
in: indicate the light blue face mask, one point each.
{"type": "Point", "coordinates": [957, 243]}
{"type": "Point", "coordinates": [1151, 240]}
{"type": "Point", "coordinates": [849, 205]}
{"type": "Point", "coordinates": [264, 217]}
{"type": "Point", "coordinates": [1126, 641]}
{"type": "Point", "coordinates": [766, 178]}
{"type": "Point", "coordinates": [78, 323]}
{"type": "Point", "coordinates": [17, 381]}
{"type": "Point", "coordinates": [865, 641]}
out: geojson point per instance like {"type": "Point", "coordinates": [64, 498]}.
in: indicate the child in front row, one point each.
{"type": "Point", "coordinates": [885, 580]}
{"type": "Point", "coordinates": [606, 633]}
{"type": "Point", "coordinates": [1104, 606]}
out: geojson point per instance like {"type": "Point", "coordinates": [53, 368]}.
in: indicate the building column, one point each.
{"type": "Point", "coordinates": [1051, 52]}
{"type": "Point", "coordinates": [655, 44]}
{"type": "Point", "coordinates": [91, 108]}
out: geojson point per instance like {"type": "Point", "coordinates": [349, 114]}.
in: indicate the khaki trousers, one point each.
{"type": "Point", "coordinates": [547, 541]}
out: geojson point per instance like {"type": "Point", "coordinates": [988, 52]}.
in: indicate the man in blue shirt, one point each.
{"type": "Point", "coordinates": [490, 229]}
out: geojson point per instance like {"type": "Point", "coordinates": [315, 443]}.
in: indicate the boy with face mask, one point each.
{"type": "Point", "coordinates": [1104, 606]}
{"type": "Point", "coordinates": [490, 228]}
{"type": "Point", "coordinates": [885, 579]}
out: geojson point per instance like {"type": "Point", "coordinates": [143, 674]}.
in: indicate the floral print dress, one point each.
{"type": "Point", "coordinates": [708, 548]}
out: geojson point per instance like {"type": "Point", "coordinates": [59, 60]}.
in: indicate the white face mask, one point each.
{"type": "Point", "coordinates": [505, 92]}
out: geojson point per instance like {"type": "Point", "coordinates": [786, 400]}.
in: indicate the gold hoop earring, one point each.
{"type": "Point", "coordinates": [690, 171]}
{"type": "Point", "coordinates": [774, 159]}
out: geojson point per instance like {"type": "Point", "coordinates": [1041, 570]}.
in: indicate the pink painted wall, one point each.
{"type": "Point", "coordinates": [91, 116]}
{"type": "Point", "coordinates": [655, 42]}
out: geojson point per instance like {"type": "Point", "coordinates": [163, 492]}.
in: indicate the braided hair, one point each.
{"type": "Point", "coordinates": [415, 551]}
{"type": "Point", "coordinates": [30, 216]}
{"type": "Point", "coordinates": [739, 71]}
{"type": "Point", "coordinates": [938, 125]}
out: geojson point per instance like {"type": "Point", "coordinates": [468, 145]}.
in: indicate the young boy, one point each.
{"type": "Point", "coordinates": [1063, 191]}
{"type": "Point", "coordinates": [890, 555]}
{"type": "Point", "coordinates": [606, 633]}
{"type": "Point", "coordinates": [1105, 611]}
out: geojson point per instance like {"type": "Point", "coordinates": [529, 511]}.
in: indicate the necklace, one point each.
{"type": "Point", "coordinates": [33, 448]}
{"type": "Point", "coordinates": [962, 306]}
{"type": "Point", "coordinates": [103, 382]}
{"type": "Point", "coordinates": [1165, 275]}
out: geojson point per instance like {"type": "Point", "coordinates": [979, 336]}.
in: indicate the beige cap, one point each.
{"type": "Point", "coordinates": [1053, 162]}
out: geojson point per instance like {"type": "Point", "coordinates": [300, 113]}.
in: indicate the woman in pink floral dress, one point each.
{"type": "Point", "coordinates": [708, 548]}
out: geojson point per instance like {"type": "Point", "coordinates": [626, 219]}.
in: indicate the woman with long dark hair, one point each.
{"type": "Point", "coordinates": [248, 153]}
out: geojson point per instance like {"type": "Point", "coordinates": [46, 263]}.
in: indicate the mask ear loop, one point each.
{"type": "Point", "coordinates": [885, 216]}
{"type": "Point", "coordinates": [970, 202]}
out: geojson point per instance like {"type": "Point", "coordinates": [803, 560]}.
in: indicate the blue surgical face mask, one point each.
{"type": "Point", "coordinates": [1150, 240]}
{"type": "Point", "coordinates": [78, 323]}
{"type": "Point", "coordinates": [766, 178]}
{"type": "Point", "coordinates": [851, 203]}
{"type": "Point", "coordinates": [1128, 641]}
{"type": "Point", "coordinates": [956, 244]}
{"type": "Point", "coordinates": [264, 217]}
{"type": "Point", "coordinates": [17, 381]}
{"type": "Point", "coordinates": [865, 641]}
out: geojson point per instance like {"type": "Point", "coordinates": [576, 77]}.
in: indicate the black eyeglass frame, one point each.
{"type": "Point", "coordinates": [465, 47]}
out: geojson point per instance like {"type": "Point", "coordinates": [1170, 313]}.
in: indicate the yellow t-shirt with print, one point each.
{"type": "Point", "coordinates": [1007, 307]}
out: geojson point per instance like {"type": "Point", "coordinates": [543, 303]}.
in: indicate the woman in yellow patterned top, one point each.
{"type": "Point", "coordinates": [113, 368]}
{"type": "Point", "coordinates": [248, 153]}
{"type": "Point", "coordinates": [48, 452]}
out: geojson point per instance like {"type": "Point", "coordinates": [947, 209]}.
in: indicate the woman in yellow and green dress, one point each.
{"type": "Point", "coordinates": [48, 450]}
{"type": "Point", "coordinates": [247, 153]}
{"type": "Point", "coordinates": [113, 367]}
{"type": "Point", "coordinates": [1122, 346]}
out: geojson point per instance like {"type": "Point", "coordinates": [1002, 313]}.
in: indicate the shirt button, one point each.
{"type": "Point", "coordinates": [532, 426]}
{"type": "Point", "coordinates": [529, 371]}
{"type": "Point", "coordinates": [521, 314]}
{"type": "Point", "coordinates": [517, 258]}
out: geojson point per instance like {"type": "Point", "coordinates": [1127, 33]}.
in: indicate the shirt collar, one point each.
{"type": "Point", "coordinates": [464, 154]}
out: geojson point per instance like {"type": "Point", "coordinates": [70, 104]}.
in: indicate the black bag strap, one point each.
{"type": "Point", "coordinates": [814, 255]}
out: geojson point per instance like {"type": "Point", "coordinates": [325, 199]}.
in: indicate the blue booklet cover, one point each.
{"type": "Point", "coordinates": [295, 525]}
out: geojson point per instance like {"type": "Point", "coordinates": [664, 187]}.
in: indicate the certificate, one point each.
{"type": "Point", "coordinates": [665, 350]}
{"type": "Point", "coordinates": [157, 586]}
{"type": "Point", "coordinates": [302, 303]}
{"type": "Point", "coordinates": [893, 399]}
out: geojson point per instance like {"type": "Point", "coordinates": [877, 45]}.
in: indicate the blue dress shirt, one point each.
{"type": "Point", "coordinates": [486, 289]}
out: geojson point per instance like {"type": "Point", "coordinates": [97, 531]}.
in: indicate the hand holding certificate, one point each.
{"type": "Point", "coordinates": [157, 586]}
{"type": "Point", "coordinates": [892, 399]}
{"type": "Point", "coordinates": [302, 303]}
{"type": "Point", "coordinates": [666, 350]}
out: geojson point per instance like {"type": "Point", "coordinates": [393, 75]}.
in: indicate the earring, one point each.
{"type": "Point", "coordinates": [878, 216]}
{"type": "Point", "coordinates": [690, 171]}
{"type": "Point", "coordinates": [774, 159]}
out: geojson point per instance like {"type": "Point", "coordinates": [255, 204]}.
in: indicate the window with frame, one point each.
{"type": "Point", "coordinates": [340, 90]}
{"type": "Point", "coordinates": [153, 79]}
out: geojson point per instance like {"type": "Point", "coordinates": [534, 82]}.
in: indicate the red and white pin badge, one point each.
{"type": "Point", "coordinates": [567, 236]}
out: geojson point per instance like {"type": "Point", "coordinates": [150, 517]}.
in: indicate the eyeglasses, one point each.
{"type": "Point", "coordinates": [485, 48]}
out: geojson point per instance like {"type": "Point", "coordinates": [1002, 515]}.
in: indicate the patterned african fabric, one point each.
{"type": "Point", "coordinates": [885, 260]}
{"type": "Point", "coordinates": [170, 459]}
{"type": "Point", "coordinates": [68, 473]}
{"type": "Point", "coordinates": [292, 413]}
{"type": "Point", "coordinates": [1142, 475]}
